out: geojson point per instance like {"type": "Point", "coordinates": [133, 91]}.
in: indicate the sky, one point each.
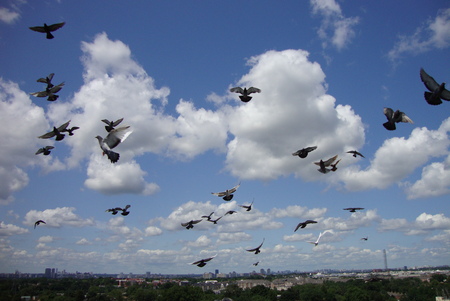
{"type": "Point", "coordinates": [326, 70]}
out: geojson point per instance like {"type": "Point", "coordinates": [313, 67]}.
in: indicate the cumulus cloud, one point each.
{"type": "Point", "coordinates": [8, 16]}
{"type": "Point", "coordinates": [335, 27]}
{"type": "Point", "coordinates": [298, 211]}
{"type": "Point", "coordinates": [422, 224]}
{"type": "Point", "coordinates": [434, 34]}
{"type": "Point", "coordinates": [83, 242]}
{"type": "Point", "coordinates": [152, 231]}
{"type": "Point", "coordinates": [58, 217]}
{"type": "Point", "coordinates": [9, 229]}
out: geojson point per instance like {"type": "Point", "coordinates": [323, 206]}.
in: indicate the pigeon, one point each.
{"type": "Point", "coordinates": [49, 92]}
{"type": "Point", "coordinates": [56, 132]}
{"type": "Point", "coordinates": [327, 162]}
{"type": "Point", "coordinates": [249, 207]}
{"type": "Point", "coordinates": [227, 195]}
{"type": "Point", "coordinates": [355, 153]}
{"type": "Point", "coordinates": [190, 224]}
{"type": "Point", "coordinates": [111, 124]}
{"type": "Point", "coordinates": [201, 263]}
{"type": "Point", "coordinates": [45, 150]}
{"type": "Point", "coordinates": [38, 223]}
{"type": "Point", "coordinates": [70, 131]}
{"type": "Point", "coordinates": [124, 210]}
{"type": "Point", "coordinates": [437, 92]}
{"type": "Point", "coordinates": [334, 166]}
{"type": "Point", "coordinates": [208, 217]}
{"type": "Point", "coordinates": [114, 138]}
{"type": "Point", "coordinates": [256, 263]}
{"type": "Point", "coordinates": [230, 212]}
{"type": "Point", "coordinates": [315, 243]}
{"type": "Point", "coordinates": [47, 29]}
{"type": "Point", "coordinates": [353, 209]}
{"type": "Point", "coordinates": [394, 117]}
{"type": "Point", "coordinates": [303, 224]}
{"type": "Point", "coordinates": [245, 92]}
{"type": "Point", "coordinates": [303, 153]}
{"type": "Point", "coordinates": [365, 238]}
{"type": "Point", "coordinates": [214, 220]}
{"type": "Point", "coordinates": [47, 80]}
{"type": "Point", "coordinates": [114, 211]}
{"type": "Point", "coordinates": [322, 168]}
{"type": "Point", "coordinates": [257, 249]}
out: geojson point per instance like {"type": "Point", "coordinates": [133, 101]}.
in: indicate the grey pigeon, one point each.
{"type": "Point", "coordinates": [257, 249]}
{"type": "Point", "coordinates": [114, 138]}
{"type": "Point", "coordinates": [245, 92]}
{"type": "Point", "coordinates": [124, 210]}
{"type": "Point", "coordinates": [394, 117]}
{"type": "Point", "coordinates": [334, 166]}
{"type": "Point", "coordinates": [70, 131]}
{"type": "Point", "coordinates": [56, 132]}
{"type": "Point", "coordinates": [327, 162]}
{"type": "Point", "coordinates": [111, 124]}
{"type": "Point", "coordinates": [47, 80]}
{"type": "Point", "coordinates": [47, 29]}
{"type": "Point", "coordinates": [303, 224]}
{"type": "Point", "coordinates": [214, 221]}
{"type": "Point", "coordinates": [208, 217]}
{"type": "Point", "coordinates": [249, 207]}
{"type": "Point", "coordinates": [355, 153]}
{"type": "Point", "coordinates": [437, 91]}
{"type": "Point", "coordinates": [322, 168]}
{"type": "Point", "coordinates": [227, 195]}
{"type": "Point", "coordinates": [45, 150]}
{"type": "Point", "coordinates": [230, 212]}
{"type": "Point", "coordinates": [302, 153]}
{"type": "Point", "coordinates": [49, 92]}
{"type": "Point", "coordinates": [190, 224]}
{"type": "Point", "coordinates": [114, 211]}
{"type": "Point", "coordinates": [202, 262]}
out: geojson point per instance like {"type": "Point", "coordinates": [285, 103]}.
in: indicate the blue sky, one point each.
{"type": "Point", "coordinates": [326, 70]}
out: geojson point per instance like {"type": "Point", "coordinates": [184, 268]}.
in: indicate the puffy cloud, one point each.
{"type": "Point", "coordinates": [8, 16]}
{"type": "Point", "coordinates": [298, 211]}
{"type": "Point", "coordinates": [231, 238]}
{"type": "Point", "coordinates": [421, 225]}
{"type": "Point", "coordinates": [9, 229]}
{"type": "Point", "coordinates": [355, 221]}
{"type": "Point", "coordinates": [57, 218]}
{"type": "Point", "coordinates": [83, 242]}
{"type": "Point", "coordinates": [202, 242]}
{"type": "Point", "coordinates": [434, 34]}
{"type": "Point", "coordinates": [46, 239]}
{"type": "Point", "coordinates": [152, 231]}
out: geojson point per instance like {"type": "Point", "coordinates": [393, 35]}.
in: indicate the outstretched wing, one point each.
{"type": "Point", "coordinates": [57, 88]}
{"type": "Point", "coordinates": [327, 162]}
{"type": "Point", "coordinates": [233, 190]}
{"type": "Point", "coordinates": [63, 126]}
{"type": "Point", "coordinates": [40, 94]}
{"type": "Point", "coordinates": [116, 136]}
{"type": "Point", "coordinates": [237, 90]}
{"type": "Point", "coordinates": [429, 81]}
{"type": "Point", "coordinates": [38, 28]}
{"type": "Point", "coordinates": [404, 118]}
{"type": "Point", "coordinates": [253, 90]}
{"type": "Point", "coordinates": [56, 26]}
{"type": "Point", "coordinates": [46, 80]}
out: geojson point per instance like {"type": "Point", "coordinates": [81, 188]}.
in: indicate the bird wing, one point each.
{"type": "Point", "coordinates": [253, 90]}
{"type": "Point", "coordinates": [116, 136]}
{"type": "Point", "coordinates": [38, 28]}
{"type": "Point", "coordinates": [389, 113]}
{"type": "Point", "coordinates": [404, 118]}
{"type": "Point", "coordinates": [310, 148]}
{"type": "Point", "coordinates": [63, 126]}
{"type": "Point", "coordinates": [185, 224]}
{"type": "Point", "coordinates": [299, 225]}
{"type": "Point", "coordinates": [40, 94]}
{"type": "Point", "coordinates": [445, 95]}
{"type": "Point", "coordinates": [106, 121]}
{"type": "Point", "coordinates": [116, 123]}
{"type": "Point", "coordinates": [329, 161]}
{"type": "Point", "coordinates": [429, 81]}
{"type": "Point", "coordinates": [232, 190]}
{"type": "Point", "coordinates": [219, 193]}
{"type": "Point", "coordinates": [57, 88]}
{"type": "Point", "coordinates": [47, 79]}
{"type": "Point", "coordinates": [237, 90]}
{"type": "Point", "coordinates": [56, 26]}
{"type": "Point", "coordinates": [196, 221]}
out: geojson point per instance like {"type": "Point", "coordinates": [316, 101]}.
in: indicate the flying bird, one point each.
{"type": "Point", "coordinates": [327, 162]}
{"type": "Point", "coordinates": [256, 263]}
{"type": "Point", "coordinates": [47, 80]}
{"type": "Point", "coordinates": [56, 132]}
{"type": "Point", "coordinates": [245, 92]}
{"type": "Point", "coordinates": [394, 117]}
{"type": "Point", "coordinates": [70, 131]}
{"type": "Point", "coordinates": [47, 29]}
{"type": "Point", "coordinates": [437, 91]}
{"type": "Point", "coordinates": [249, 207]}
{"type": "Point", "coordinates": [201, 263]}
{"type": "Point", "coordinates": [114, 138]}
{"type": "Point", "coordinates": [230, 212]}
{"type": "Point", "coordinates": [227, 195]}
{"type": "Point", "coordinates": [355, 153]}
{"type": "Point", "coordinates": [214, 220]}
{"type": "Point", "coordinates": [114, 211]}
{"type": "Point", "coordinates": [208, 217]}
{"type": "Point", "coordinates": [257, 249]}
{"type": "Point", "coordinates": [353, 209]}
{"type": "Point", "coordinates": [38, 223]}
{"type": "Point", "coordinates": [315, 243]}
{"type": "Point", "coordinates": [190, 224]}
{"type": "Point", "coordinates": [365, 238]}
{"type": "Point", "coordinates": [303, 153]}
{"type": "Point", "coordinates": [49, 92]}
{"type": "Point", "coordinates": [303, 224]}
{"type": "Point", "coordinates": [322, 168]}
{"type": "Point", "coordinates": [124, 210]}
{"type": "Point", "coordinates": [45, 150]}
{"type": "Point", "coordinates": [111, 124]}
{"type": "Point", "coordinates": [334, 166]}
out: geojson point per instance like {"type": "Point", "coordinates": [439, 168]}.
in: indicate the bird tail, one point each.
{"type": "Point", "coordinates": [113, 156]}
{"type": "Point", "coordinates": [49, 36]}
{"type": "Point", "coordinates": [390, 126]}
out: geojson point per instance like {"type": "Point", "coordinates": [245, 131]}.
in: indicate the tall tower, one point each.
{"type": "Point", "coordinates": [385, 260]}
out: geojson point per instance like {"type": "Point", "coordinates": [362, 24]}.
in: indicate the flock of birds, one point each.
{"type": "Point", "coordinates": [434, 96]}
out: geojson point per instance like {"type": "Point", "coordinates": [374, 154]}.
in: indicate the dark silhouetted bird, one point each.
{"type": "Point", "coordinates": [230, 212]}
{"type": "Point", "coordinates": [190, 224]}
{"type": "Point", "coordinates": [256, 263]}
{"type": "Point", "coordinates": [214, 221]}
{"type": "Point", "coordinates": [334, 166]}
{"type": "Point", "coordinates": [114, 138]}
{"type": "Point", "coordinates": [56, 132]}
{"type": "Point", "coordinates": [114, 211]}
{"type": "Point", "coordinates": [353, 209]}
{"type": "Point", "coordinates": [201, 263]}
{"type": "Point", "coordinates": [322, 168]}
{"type": "Point", "coordinates": [47, 80]}
{"type": "Point", "coordinates": [437, 92]}
{"type": "Point", "coordinates": [208, 217]}
{"type": "Point", "coordinates": [303, 224]}
{"type": "Point", "coordinates": [249, 207]}
{"type": "Point", "coordinates": [257, 249]}
{"type": "Point", "coordinates": [303, 153]}
{"type": "Point", "coordinates": [327, 162]}
{"type": "Point", "coordinates": [111, 124]}
{"type": "Point", "coordinates": [38, 223]}
{"type": "Point", "coordinates": [394, 117]}
{"type": "Point", "coordinates": [245, 92]}
{"type": "Point", "coordinates": [365, 238]}
{"type": "Point", "coordinates": [124, 210]}
{"type": "Point", "coordinates": [355, 153]}
{"type": "Point", "coordinates": [227, 195]}
{"type": "Point", "coordinates": [49, 92]}
{"type": "Point", "coordinates": [47, 29]}
{"type": "Point", "coordinates": [45, 150]}
{"type": "Point", "coordinates": [70, 131]}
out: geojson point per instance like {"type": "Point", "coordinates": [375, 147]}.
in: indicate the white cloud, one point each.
{"type": "Point", "coordinates": [434, 34]}
{"type": "Point", "coordinates": [8, 16]}
{"type": "Point", "coordinates": [46, 239]}
{"type": "Point", "coordinates": [58, 217]}
{"type": "Point", "coordinates": [201, 242]}
{"type": "Point", "coordinates": [298, 211]}
{"type": "Point", "coordinates": [152, 231]}
{"type": "Point", "coordinates": [421, 225]}
{"type": "Point", "coordinates": [83, 242]}
{"type": "Point", "coordinates": [10, 229]}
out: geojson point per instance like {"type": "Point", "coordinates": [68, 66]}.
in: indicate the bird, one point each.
{"type": "Point", "coordinates": [322, 168]}
{"type": "Point", "coordinates": [124, 210]}
{"type": "Point", "coordinates": [230, 212]}
{"type": "Point", "coordinates": [353, 209]}
{"type": "Point", "coordinates": [327, 162]}
{"type": "Point", "coordinates": [394, 117]}
{"type": "Point", "coordinates": [111, 124]}
{"type": "Point", "coordinates": [70, 131]}
{"type": "Point", "coordinates": [256, 263]}
{"type": "Point", "coordinates": [114, 211]}
{"type": "Point", "coordinates": [303, 224]}
{"type": "Point", "coordinates": [334, 166]}
{"type": "Point", "coordinates": [437, 91]}
{"type": "Point", "coordinates": [47, 80]}
{"type": "Point", "coordinates": [249, 207]}
{"type": "Point", "coordinates": [227, 195]}
{"type": "Point", "coordinates": [47, 29]}
{"type": "Point", "coordinates": [114, 138]}
{"type": "Point", "coordinates": [190, 224]}
{"type": "Point", "coordinates": [315, 243]}
{"type": "Point", "coordinates": [49, 92]}
{"type": "Point", "coordinates": [245, 92]}
{"type": "Point", "coordinates": [355, 153]}
{"type": "Point", "coordinates": [56, 132]}
{"type": "Point", "coordinates": [303, 153]}
{"type": "Point", "coordinates": [257, 249]}
{"type": "Point", "coordinates": [45, 150]}
{"type": "Point", "coordinates": [214, 220]}
{"type": "Point", "coordinates": [38, 223]}
{"type": "Point", "coordinates": [202, 262]}
{"type": "Point", "coordinates": [208, 217]}
{"type": "Point", "coordinates": [365, 238]}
